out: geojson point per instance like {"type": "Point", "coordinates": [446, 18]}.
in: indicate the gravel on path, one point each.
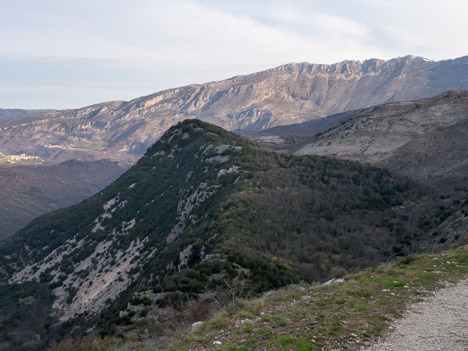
{"type": "Point", "coordinates": [438, 323]}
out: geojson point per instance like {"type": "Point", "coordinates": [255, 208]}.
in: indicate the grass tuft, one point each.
{"type": "Point", "coordinates": [336, 316]}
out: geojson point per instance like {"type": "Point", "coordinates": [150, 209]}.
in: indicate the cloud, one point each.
{"type": "Point", "coordinates": [430, 28]}
{"type": "Point", "coordinates": [153, 44]}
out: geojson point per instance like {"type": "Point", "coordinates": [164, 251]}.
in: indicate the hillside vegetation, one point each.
{"type": "Point", "coordinates": [334, 316]}
{"type": "Point", "coordinates": [203, 218]}
{"type": "Point", "coordinates": [344, 314]}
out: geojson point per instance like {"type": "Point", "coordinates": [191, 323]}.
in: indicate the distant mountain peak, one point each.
{"type": "Point", "coordinates": [288, 94]}
{"type": "Point", "coordinates": [348, 66]}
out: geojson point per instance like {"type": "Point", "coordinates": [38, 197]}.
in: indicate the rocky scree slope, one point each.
{"type": "Point", "coordinates": [287, 94]}
{"type": "Point", "coordinates": [204, 210]}
{"type": "Point", "coordinates": [424, 138]}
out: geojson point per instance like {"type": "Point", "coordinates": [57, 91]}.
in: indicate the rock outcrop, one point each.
{"type": "Point", "coordinates": [424, 138]}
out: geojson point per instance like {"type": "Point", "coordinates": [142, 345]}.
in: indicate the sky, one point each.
{"type": "Point", "coordinates": [69, 54]}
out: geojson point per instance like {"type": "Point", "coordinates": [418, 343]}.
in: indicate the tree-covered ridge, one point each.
{"type": "Point", "coordinates": [149, 190]}
{"type": "Point", "coordinates": [206, 212]}
{"type": "Point", "coordinates": [318, 214]}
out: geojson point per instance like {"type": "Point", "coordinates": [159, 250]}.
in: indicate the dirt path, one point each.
{"type": "Point", "coordinates": [440, 323]}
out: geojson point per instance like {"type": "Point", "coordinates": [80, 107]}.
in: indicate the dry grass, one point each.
{"type": "Point", "coordinates": [336, 316]}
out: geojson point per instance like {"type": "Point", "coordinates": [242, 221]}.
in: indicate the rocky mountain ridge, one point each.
{"type": "Point", "coordinates": [287, 94]}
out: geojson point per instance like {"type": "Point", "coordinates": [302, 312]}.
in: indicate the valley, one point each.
{"type": "Point", "coordinates": [205, 175]}
{"type": "Point", "coordinates": [27, 191]}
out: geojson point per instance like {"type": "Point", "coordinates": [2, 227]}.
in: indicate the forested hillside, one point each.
{"type": "Point", "coordinates": [204, 216]}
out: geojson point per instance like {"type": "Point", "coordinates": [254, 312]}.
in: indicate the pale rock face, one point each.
{"type": "Point", "coordinates": [105, 278]}
{"type": "Point", "coordinates": [232, 169]}
{"type": "Point", "coordinates": [184, 256]}
{"type": "Point", "coordinates": [186, 205]}
{"type": "Point", "coordinates": [424, 138]}
{"type": "Point", "coordinates": [291, 93]}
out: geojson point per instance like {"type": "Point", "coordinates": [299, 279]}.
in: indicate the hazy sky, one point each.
{"type": "Point", "coordinates": [64, 53]}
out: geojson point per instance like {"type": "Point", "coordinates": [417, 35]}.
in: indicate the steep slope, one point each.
{"type": "Point", "coordinates": [29, 191]}
{"type": "Point", "coordinates": [424, 138]}
{"type": "Point", "coordinates": [206, 212]}
{"type": "Point", "coordinates": [287, 94]}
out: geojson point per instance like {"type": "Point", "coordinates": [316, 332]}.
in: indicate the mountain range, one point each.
{"type": "Point", "coordinates": [122, 131]}
{"type": "Point", "coordinates": [291, 93]}
{"type": "Point", "coordinates": [368, 164]}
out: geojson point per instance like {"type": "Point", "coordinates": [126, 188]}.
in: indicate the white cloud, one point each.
{"type": "Point", "coordinates": [430, 28]}
{"type": "Point", "coordinates": [155, 44]}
